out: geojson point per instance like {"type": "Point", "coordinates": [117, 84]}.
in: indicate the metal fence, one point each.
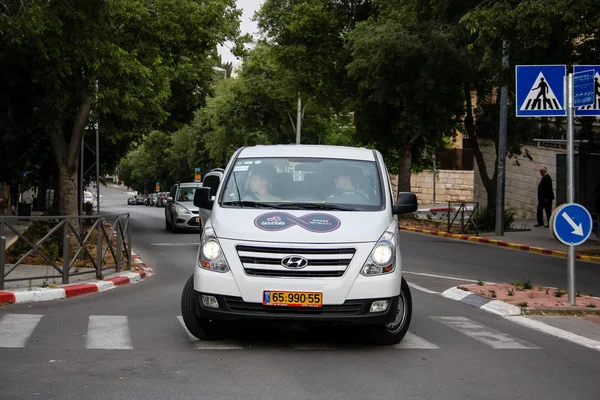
{"type": "Point", "coordinates": [461, 214]}
{"type": "Point", "coordinates": [72, 235]}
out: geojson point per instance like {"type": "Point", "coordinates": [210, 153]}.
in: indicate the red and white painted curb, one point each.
{"type": "Point", "coordinates": [78, 289]}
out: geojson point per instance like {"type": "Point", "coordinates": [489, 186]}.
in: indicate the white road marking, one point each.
{"type": "Point", "coordinates": [484, 334]}
{"type": "Point", "coordinates": [110, 332]}
{"type": "Point", "coordinates": [412, 341]}
{"type": "Point", "coordinates": [557, 332]}
{"type": "Point", "coordinates": [421, 288]}
{"type": "Point", "coordinates": [441, 276]}
{"type": "Point", "coordinates": [208, 344]}
{"type": "Point", "coordinates": [15, 329]}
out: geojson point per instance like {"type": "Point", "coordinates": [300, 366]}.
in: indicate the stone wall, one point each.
{"type": "Point", "coordinates": [450, 186]}
{"type": "Point", "coordinates": [521, 180]}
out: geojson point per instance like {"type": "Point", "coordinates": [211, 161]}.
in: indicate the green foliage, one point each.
{"type": "Point", "coordinates": [129, 65]}
{"type": "Point", "coordinates": [407, 70]}
{"type": "Point", "coordinates": [34, 232]}
{"type": "Point", "coordinates": [485, 218]}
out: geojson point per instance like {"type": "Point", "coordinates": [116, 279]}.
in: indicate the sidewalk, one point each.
{"type": "Point", "coordinates": [20, 225]}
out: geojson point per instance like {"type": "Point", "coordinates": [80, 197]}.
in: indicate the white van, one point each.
{"type": "Point", "coordinates": [300, 233]}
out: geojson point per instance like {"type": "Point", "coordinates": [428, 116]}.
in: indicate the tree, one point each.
{"type": "Point", "coordinates": [549, 32]}
{"type": "Point", "coordinates": [116, 62]}
{"type": "Point", "coordinates": [406, 70]}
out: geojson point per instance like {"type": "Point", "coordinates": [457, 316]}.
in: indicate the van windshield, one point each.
{"type": "Point", "coordinates": [304, 183]}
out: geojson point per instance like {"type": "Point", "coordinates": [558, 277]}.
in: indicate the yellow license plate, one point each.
{"type": "Point", "coordinates": [292, 299]}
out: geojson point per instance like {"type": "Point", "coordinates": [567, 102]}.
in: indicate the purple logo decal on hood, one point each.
{"type": "Point", "coordinates": [315, 222]}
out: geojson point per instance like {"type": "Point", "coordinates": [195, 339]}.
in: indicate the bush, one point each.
{"type": "Point", "coordinates": [486, 218]}
{"type": "Point", "coordinates": [34, 232]}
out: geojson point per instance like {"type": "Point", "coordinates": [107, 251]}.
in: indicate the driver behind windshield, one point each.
{"type": "Point", "coordinates": [261, 181]}
{"type": "Point", "coordinates": [345, 186]}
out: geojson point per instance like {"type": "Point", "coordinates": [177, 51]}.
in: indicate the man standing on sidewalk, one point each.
{"type": "Point", "coordinates": [545, 198]}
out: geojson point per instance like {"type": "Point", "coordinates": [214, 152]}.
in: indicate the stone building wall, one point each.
{"type": "Point", "coordinates": [521, 180]}
{"type": "Point", "coordinates": [450, 186]}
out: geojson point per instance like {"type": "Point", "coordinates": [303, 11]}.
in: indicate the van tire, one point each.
{"type": "Point", "coordinates": [201, 328]}
{"type": "Point", "coordinates": [393, 333]}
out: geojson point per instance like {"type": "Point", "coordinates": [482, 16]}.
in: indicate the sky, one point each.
{"type": "Point", "coordinates": [246, 26]}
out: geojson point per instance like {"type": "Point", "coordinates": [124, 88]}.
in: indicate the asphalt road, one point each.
{"type": "Point", "coordinates": [453, 351]}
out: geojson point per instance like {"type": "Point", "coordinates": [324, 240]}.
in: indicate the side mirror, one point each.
{"type": "Point", "coordinates": [202, 198]}
{"type": "Point", "coordinates": [169, 199]}
{"type": "Point", "coordinates": [407, 203]}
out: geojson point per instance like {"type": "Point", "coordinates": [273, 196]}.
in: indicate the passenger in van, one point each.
{"type": "Point", "coordinates": [345, 188]}
{"type": "Point", "coordinates": [261, 180]}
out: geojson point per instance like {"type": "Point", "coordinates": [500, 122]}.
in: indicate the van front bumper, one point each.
{"type": "Point", "coordinates": [351, 311]}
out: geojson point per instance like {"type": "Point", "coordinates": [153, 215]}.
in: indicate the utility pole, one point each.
{"type": "Point", "coordinates": [501, 178]}
{"type": "Point", "coordinates": [570, 184]}
{"type": "Point", "coordinates": [299, 119]}
{"type": "Point", "coordinates": [97, 158]}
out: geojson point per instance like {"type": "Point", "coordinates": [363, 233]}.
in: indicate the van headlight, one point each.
{"type": "Point", "coordinates": [211, 255]}
{"type": "Point", "coordinates": [382, 259]}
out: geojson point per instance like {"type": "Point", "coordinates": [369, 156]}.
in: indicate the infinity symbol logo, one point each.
{"type": "Point", "coordinates": [314, 222]}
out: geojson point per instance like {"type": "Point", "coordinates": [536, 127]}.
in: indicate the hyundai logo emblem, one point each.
{"type": "Point", "coordinates": [294, 262]}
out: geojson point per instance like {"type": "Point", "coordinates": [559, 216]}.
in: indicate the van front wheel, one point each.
{"type": "Point", "coordinates": [394, 331]}
{"type": "Point", "coordinates": [203, 329]}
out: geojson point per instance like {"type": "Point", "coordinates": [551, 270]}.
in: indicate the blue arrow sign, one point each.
{"type": "Point", "coordinates": [540, 90]}
{"type": "Point", "coordinates": [592, 109]}
{"type": "Point", "coordinates": [571, 224]}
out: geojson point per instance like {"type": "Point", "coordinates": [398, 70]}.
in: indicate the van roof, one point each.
{"type": "Point", "coordinates": [308, 150]}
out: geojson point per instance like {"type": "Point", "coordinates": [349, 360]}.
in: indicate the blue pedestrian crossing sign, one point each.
{"type": "Point", "coordinates": [571, 224]}
{"type": "Point", "coordinates": [541, 90]}
{"type": "Point", "coordinates": [593, 108]}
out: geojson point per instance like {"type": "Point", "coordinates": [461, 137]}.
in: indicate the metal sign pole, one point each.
{"type": "Point", "coordinates": [570, 184]}
{"type": "Point", "coordinates": [434, 176]}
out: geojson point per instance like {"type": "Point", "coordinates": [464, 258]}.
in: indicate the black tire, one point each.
{"type": "Point", "coordinates": [203, 329]}
{"type": "Point", "coordinates": [167, 224]}
{"type": "Point", "coordinates": [393, 333]}
{"type": "Point", "coordinates": [173, 227]}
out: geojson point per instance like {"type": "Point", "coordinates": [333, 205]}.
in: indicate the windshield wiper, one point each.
{"type": "Point", "coordinates": [313, 206]}
{"type": "Point", "coordinates": [255, 204]}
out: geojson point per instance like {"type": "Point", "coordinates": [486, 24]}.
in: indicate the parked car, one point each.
{"type": "Point", "coordinates": [161, 199]}
{"type": "Point", "coordinates": [180, 211]}
{"type": "Point", "coordinates": [300, 233]}
{"type": "Point", "coordinates": [132, 200]}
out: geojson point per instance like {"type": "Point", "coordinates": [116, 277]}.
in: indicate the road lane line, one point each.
{"type": "Point", "coordinates": [422, 289]}
{"type": "Point", "coordinates": [15, 329]}
{"type": "Point", "coordinates": [441, 276]}
{"type": "Point", "coordinates": [109, 332]}
{"type": "Point", "coordinates": [484, 334]}
{"type": "Point", "coordinates": [208, 344]}
{"type": "Point", "coordinates": [557, 332]}
{"type": "Point", "coordinates": [412, 341]}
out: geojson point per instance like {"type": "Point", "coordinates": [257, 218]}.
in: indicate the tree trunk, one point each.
{"type": "Point", "coordinates": [404, 166]}
{"type": "Point", "coordinates": [488, 183]}
{"type": "Point", "coordinates": [67, 159]}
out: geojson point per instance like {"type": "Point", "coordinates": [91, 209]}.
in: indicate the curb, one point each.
{"type": "Point", "coordinates": [79, 289]}
{"type": "Point", "coordinates": [503, 309]}
{"type": "Point", "coordinates": [497, 307]}
{"type": "Point", "coordinates": [501, 243]}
